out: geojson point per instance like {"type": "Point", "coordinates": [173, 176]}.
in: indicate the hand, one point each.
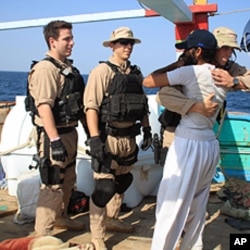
{"type": "Point", "coordinates": [58, 150]}
{"type": "Point", "coordinates": [210, 107]}
{"type": "Point", "coordinates": [97, 148]}
{"type": "Point", "coordinates": [147, 138]}
{"type": "Point", "coordinates": [206, 107]}
{"type": "Point", "coordinates": [222, 78]}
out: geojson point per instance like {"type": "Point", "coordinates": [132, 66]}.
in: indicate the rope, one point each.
{"type": "Point", "coordinates": [217, 136]}
{"type": "Point", "coordinates": [229, 12]}
{"type": "Point", "coordinates": [28, 144]}
{"type": "Point", "coordinates": [82, 150]}
{"type": "Point", "coordinates": [221, 124]}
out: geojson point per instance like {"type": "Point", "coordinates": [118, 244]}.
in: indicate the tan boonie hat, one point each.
{"type": "Point", "coordinates": [122, 32]}
{"type": "Point", "coordinates": [226, 37]}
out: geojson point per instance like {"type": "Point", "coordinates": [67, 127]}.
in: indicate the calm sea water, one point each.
{"type": "Point", "coordinates": [14, 83]}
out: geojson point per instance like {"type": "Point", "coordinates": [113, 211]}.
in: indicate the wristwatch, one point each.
{"type": "Point", "coordinates": [235, 82]}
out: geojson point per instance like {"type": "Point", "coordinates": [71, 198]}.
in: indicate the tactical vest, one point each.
{"type": "Point", "coordinates": [69, 106]}
{"type": "Point", "coordinates": [126, 100]}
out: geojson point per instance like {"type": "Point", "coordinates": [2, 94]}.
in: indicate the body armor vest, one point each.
{"type": "Point", "coordinates": [69, 106]}
{"type": "Point", "coordinates": [126, 100]}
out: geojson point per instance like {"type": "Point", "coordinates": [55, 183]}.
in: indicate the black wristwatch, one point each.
{"type": "Point", "coordinates": [235, 82]}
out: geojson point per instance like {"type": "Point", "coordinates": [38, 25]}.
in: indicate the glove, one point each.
{"type": "Point", "coordinates": [147, 138]}
{"type": "Point", "coordinates": [58, 150]}
{"type": "Point", "coordinates": [97, 148]}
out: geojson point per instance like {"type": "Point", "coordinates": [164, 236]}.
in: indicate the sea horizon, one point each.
{"type": "Point", "coordinates": [14, 83]}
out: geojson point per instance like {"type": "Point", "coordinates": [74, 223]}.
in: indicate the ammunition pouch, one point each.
{"type": "Point", "coordinates": [67, 109]}
{"type": "Point", "coordinates": [50, 174]}
{"type": "Point", "coordinates": [132, 131]}
{"type": "Point", "coordinates": [124, 107]}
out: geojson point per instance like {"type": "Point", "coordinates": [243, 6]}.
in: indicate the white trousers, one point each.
{"type": "Point", "coordinates": [183, 193]}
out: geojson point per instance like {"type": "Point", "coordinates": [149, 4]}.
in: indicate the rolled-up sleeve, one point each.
{"type": "Point", "coordinates": [174, 100]}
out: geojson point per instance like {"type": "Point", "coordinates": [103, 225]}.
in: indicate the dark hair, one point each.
{"type": "Point", "coordinates": [208, 55]}
{"type": "Point", "coordinates": [52, 29]}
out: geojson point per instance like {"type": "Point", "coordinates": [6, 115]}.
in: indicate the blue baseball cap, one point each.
{"type": "Point", "coordinates": [198, 38]}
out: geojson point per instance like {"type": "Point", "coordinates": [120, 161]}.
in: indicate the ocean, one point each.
{"type": "Point", "coordinates": [15, 83]}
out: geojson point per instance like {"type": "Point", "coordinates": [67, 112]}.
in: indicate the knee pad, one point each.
{"type": "Point", "coordinates": [122, 182]}
{"type": "Point", "coordinates": [104, 191]}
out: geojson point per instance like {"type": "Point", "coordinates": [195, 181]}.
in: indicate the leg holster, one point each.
{"type": "Point", "coordinates": [50, 174]}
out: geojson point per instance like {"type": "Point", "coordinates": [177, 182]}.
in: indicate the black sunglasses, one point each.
{"type": "Point", "coordinates": [126, 41]}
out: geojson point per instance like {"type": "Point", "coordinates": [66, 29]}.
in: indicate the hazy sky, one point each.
{"type": "Point", "coordinates": [20, 46]}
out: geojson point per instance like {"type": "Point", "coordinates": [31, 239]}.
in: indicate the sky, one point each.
{"type": "Point", "coordinates": [18, 47]}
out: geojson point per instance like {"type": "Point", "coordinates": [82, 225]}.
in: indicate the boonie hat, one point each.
{"type": "Point", "coordinates": [226, 37]}
{"type": "Point", "coordinates": [122, 32]}
{"type": "Point", "coordinates": [198, 38]}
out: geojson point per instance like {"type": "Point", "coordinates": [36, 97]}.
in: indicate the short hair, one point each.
{"type": "Point", "coordinates": [52, 29]}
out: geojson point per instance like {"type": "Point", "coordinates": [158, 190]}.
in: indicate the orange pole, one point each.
{"type": "Point", "coordinates": [200, 20]}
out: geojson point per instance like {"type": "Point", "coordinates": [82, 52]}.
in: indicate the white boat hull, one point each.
{"type": "Point", "coordinates": [18, 147]}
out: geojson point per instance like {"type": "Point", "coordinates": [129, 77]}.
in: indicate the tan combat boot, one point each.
{"type": "Point", "coordinates": [69, 224]}
{"type": "Point", "coordinates": [118, 225]}
{"type": "Point", "coordinates": [99, 244]}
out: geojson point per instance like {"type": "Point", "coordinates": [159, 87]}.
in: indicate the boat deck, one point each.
{"type": "Point", "coordinates": [217, 232]}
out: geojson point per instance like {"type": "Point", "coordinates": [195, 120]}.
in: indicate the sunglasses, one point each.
{"type": "Point", "coordinates": [126, 41]}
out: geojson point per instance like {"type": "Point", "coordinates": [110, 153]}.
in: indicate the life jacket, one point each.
{"type": "Point", "coordinates": [125, 100]}
{"type": "Point", "coordinates": [69, 106]}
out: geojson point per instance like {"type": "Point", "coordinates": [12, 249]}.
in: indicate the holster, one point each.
{"type": "Point", "coordinates": [50, 174]}
{"type": "Point", "coordinates": [102, 167]}
{"type": "Point", "coordinates": [163, 156]}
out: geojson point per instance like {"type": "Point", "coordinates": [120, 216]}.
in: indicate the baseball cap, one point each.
{"type": "Point", "coordinates": [198, 38]}
{"type": "Point", "coordinates": [226, 37]}
{"type": "Point", "coordinates": [121, 33]}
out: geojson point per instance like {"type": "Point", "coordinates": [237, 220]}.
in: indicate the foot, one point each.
{"type": "Point", "coordinates": [99, 244]}
{"type": "Point", "coordinates": [69, 224]}
{"type": "Point", "coordinates": [118, 225]}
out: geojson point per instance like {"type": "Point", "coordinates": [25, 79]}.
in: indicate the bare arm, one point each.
{"type": "Point", "coordinates": [158, 77]}
{"type": "Point", "coordinates": [223, 78]}
{"type": "Point", "coordinates": [174, 100]}
{"type": "Point", "coordinates": [92, 122]}
{"type": "Point", "coordinates": [156, 80]}
{"type": "Point", "coordinates": [48, 121]}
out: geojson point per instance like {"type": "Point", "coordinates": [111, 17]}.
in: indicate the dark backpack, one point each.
{"type": "Point", "coordinates": [79, 203]}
